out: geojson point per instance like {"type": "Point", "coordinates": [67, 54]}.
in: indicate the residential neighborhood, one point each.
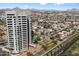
{"type": "Point", "coordinates": [34, 32]}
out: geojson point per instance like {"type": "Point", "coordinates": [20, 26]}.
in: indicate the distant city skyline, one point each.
{"type": "Point", "coordinates": [49, 6]}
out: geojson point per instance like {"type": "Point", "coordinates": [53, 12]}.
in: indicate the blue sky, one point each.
{"type": "Point", "coordinates": [48, 6]}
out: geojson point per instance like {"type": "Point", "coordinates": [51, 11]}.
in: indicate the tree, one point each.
{"type": "Point", "coordinates": [52, 38]}
{"type": "Point", "coordinates": [54, 41]}
{"type": "Point", "coordinates": [29, 54]}
{"type": "Point", "coordinates": [36, 39]}
{"type": "Point", "coordinates": [44, 46]}
{"type": "Point", "coordinates": [2, 34]}
{"type": "Point", "coordinates": [58, 36]}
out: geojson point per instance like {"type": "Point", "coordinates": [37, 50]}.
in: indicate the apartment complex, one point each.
{"type": "Point", "coordinates": [19, 30]}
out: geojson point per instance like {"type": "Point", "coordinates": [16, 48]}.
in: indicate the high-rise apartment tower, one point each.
{"type": "Point", "coordinates": [19, 30]}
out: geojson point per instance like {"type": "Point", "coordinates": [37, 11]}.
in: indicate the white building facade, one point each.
{"type": "Point", "coordinates": [19, 30]}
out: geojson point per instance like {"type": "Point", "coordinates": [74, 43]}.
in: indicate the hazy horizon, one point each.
{"type": "Point", "coordinates": [49, 6]}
